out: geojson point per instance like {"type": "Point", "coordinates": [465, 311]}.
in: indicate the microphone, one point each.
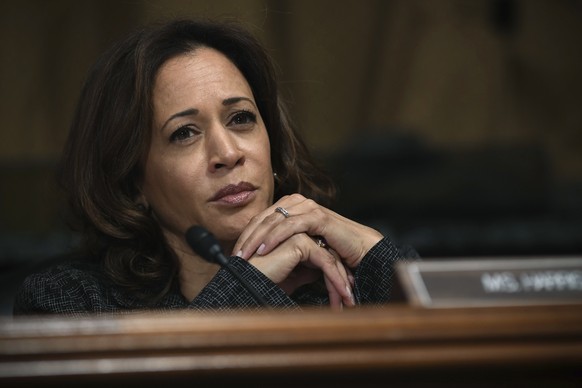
{"type": "Point", "coordinates": [205, 245]}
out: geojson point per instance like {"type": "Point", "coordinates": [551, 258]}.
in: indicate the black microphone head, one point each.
{"type": "Point", "coordinates": [204, 244]}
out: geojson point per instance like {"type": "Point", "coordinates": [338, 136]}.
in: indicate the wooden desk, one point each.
{"type": "Point", "coordinates": [383, 346]}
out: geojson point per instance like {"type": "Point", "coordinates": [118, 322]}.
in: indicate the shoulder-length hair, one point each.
{"type": "Point", "coordinates": [110, 135]}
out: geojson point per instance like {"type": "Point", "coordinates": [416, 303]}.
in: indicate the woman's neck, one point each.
{"type": "Point", "coordinates": [195, 273]}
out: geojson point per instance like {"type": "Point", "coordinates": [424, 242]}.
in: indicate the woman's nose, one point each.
{"type": "Point", "coordinates": [224, 151]}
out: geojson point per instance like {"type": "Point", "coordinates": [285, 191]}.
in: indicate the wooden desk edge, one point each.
{"type": "Point", "coordinates": [388, 338]}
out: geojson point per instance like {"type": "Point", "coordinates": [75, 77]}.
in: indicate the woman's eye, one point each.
{"type": "Point", "coordinates": [181, 134]}
{"type": "Point", "coordinates": [244, 117]}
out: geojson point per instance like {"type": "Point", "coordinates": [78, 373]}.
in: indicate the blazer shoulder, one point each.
{"type": "Point", "coordinates": [71, 286]}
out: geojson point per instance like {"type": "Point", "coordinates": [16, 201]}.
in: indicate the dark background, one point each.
{"type": "Point", "coordinates": [454, 125]}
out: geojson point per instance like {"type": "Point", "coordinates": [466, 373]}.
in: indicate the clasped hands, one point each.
{"type": "Point", "coordinates": [281, 242]}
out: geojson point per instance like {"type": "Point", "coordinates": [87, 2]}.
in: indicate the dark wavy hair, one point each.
{"type": "Point", "coordinates": [110, 135]}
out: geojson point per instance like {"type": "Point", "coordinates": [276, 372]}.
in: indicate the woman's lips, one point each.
{"type": "Point", "coordinates": [238, 194]}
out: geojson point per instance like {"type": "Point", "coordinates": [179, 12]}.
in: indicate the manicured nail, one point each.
{"type": "Point", "coordinates": [351, 279]}
{"type": "Point", "coordinates": [349, 290]}
{"type": "Point", "coordinates": [261, 249]}
{"type": "Point", "coordinates": [239, 254]}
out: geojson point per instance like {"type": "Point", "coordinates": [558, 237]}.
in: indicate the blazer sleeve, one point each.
{"type": "Point", "coordinates": [225, 291]}
{"type": "Point", "coordinates": [78, 290]}
{"type": "Point", "coordinates": [375, 275]}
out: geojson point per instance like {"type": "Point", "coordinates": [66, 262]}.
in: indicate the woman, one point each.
{"type": "Point", "coordinates": [180, 125]}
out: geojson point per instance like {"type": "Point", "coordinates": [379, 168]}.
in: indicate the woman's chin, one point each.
{"type": "Point", "coordinates": [230, 228]}
{"type": "Point", "coordinates": [227, 234]}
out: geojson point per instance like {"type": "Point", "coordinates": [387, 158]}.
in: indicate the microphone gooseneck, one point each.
{"type": "Point", "coordinates": [205, 245]}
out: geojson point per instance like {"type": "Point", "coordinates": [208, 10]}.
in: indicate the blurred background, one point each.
{"type": "Point", "coordinates": [453, 125]}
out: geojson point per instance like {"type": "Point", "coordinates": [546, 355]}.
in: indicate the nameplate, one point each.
{"type": "Point", "coordinates": [492, 282]}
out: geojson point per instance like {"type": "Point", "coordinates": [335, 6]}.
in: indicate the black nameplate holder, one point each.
{"type": "Point", "coordinates": [492, 282]}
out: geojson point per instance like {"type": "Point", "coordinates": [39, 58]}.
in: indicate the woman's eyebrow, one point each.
{"type": "Point", "coordinates": [187, 112]}
{"type": "Point", "coordinates": [234, 100]}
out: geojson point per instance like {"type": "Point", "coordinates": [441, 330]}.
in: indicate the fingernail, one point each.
{"type": "Point", "coordinates": [239, 254]}
{"type": "Point", "coordinates": [261, 249]}
{"type": "Point", "coordinates": [349, 290]}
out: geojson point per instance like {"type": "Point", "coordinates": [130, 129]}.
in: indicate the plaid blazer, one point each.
{"type": "Point", "coordinates": [79, 287]}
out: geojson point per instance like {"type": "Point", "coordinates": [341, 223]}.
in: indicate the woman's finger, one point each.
{"type": "Point", "coordinates": [335, 299]}
{"type": "Point", "coordinates": [260, 223]}
{"type": "Point", "coordinates": [350, 239]}
{"type": "Point", "coordinates": [345, 273]}
{"type": "Point", "coordinates": [299, 250]}
{"type": "Point", "coordinates": [351, 278]}
{"type": "Point", "coordinates": [291, 215]}
{"type": "Point", "coordinates": [334, 271]}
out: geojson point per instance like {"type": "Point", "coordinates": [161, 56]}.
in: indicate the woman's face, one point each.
{"type": "Point", "coordinates": [209, 161]}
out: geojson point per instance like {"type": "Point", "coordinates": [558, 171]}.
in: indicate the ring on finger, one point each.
{"type": "Point", "coordinates": [320, 241]}
{"type": "Point", "coordinates": [282, 211]}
